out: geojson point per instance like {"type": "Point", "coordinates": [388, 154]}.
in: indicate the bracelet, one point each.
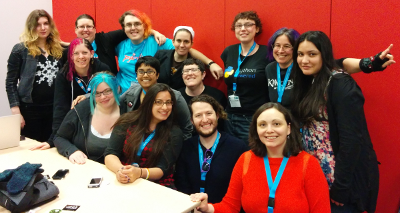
{"type": "Point", "coordinates": [209, 64]}
{"type": "Point", "coordinates": [140, 173]}
{"type": "Point", "coordinates": [148, 174]}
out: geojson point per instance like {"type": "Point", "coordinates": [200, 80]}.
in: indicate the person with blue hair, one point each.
{"type": "Point", "coordinates": [86, 129]}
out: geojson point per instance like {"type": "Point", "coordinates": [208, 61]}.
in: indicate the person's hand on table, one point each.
{"type": "Point", "coordinates": [203, 198]}
{"type": "Point", "coordinates": [128, 174]}
{"type": "Point", "coordinates": [216, 71]}
{"type": "Point", "coordinates": [78, 157]}
{"type": "Point", "coordinates": [41, 146]}
{"type": "Point", "coordinates": [77, 100]}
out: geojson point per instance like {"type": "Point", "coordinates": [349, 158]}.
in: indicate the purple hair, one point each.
{"type": "Point", "coordinates": [292, 35]}
{"type": "Point", "coordinates": [71, 66]}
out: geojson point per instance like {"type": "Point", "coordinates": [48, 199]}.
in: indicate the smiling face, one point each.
{"type": "Point", "coordinates": [182, 42]}
{"type": "Point", "coordinates": [82, 56]}
{"type": "Point", "coordinates": [85, 29]}
{"type": "Point", "coordinates": [104, 96]}
{"type": "Point", "coordinates": [161, 113]}
{"type": "Point", "coordinates": [273, 130]}
{"type": "Point", "coordinates": [309, 58]}
{"type": "Point", "coordinates": [192, 76]}
{"type": "Point", "coordinates": [146, 80]}
{"type": "Point", "coordinates": [283, 51]}
{"type": "Point", "coordinates": [246, 34]}
{"type": "Point", "coordinates": [43, 28]}
{"type": "Point", "coordinates": [134, 29]}
{"type": "Point", "coordinates": [204, 119]}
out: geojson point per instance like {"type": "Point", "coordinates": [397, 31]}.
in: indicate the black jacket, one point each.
{"type": "Point", "coordinates": [73, 132]}
{"type": "Point", "coordinates": [356, 169]}
{"type": "Point", "coordinates": [175, 80]}
{"type": "Point", "coordinates": [188, 177]}
{"type": "Point", "coordinates": [64, 94]}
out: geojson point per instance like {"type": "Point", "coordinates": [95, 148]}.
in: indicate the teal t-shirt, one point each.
{"type": "Point", "coordinates": [128, 54]}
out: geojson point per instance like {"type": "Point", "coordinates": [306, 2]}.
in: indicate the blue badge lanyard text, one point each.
{"type": "Point", "coordinates": [94, 45]}
{"type": "Point", "coordinates": [201, 158]}
{"type": "Point", "coordinates": [239, 62]}
{"type": "Point", "coordinates": [272, 186]}
{"type": "Point", "coordinates": [281, 88]}
{"type": "Point", "coordinates": [79, 81]}
{"type": "Point", "coordinates": [145, 142]}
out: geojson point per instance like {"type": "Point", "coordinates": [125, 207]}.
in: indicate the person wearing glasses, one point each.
{"type": "Point", "coordinates": [73, 81]}
{"type": "Point", "coordinates": [172, 60]}
{"type": "Point", "coordinates": [86, 129]}
{"type": "Point", "coordinates": [31, 71]}
{"type": "Point", "coordinates": [276, 175]}
{"type": "Point", "coordinates": [207, 159]}
{"type": "Point", "coordinates": [137, 26]}
{"type": "Point", "coordinates": [147, 70]}
{"type": "Point", "coordinates": [145, 143]}
{"type": "Point", "coordinates": [280, 52]}
{"type": "Point", "coordinates": [103, 43]}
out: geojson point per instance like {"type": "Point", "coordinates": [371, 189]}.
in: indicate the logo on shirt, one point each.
{"type": "Point", "coordinates": [48, 72]}
{"type": "Point", "coordinates": [131, 57]}
{"type": "Point", "coordinates": [229, 71]}
{"type": "Point", "coordinates": [274, 84]}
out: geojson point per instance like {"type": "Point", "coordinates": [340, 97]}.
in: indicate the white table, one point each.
{"type": "Point", "coordinates": [140, 196]}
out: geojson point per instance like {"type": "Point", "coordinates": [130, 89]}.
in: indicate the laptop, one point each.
{"type": "Point", "coordinates": [10, 127]}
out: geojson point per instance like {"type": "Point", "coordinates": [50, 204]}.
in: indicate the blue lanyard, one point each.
{"type": "Point", "coordinates": [79, 81]}
{"type": "Point", "coordinates": [144, 143]}
{"type": "Point", "coordinates": [240, 61]}
{"type": "Point", "coordinates": [271, 184]}
{"type": "Point", "coordinates": [94, 45]}
{"type": "Point", "coordinates": [201, 158]}
{"type": "Point", "coordinates": [144, 92]}
{"type": "Point", "coordinates": [281, 88]}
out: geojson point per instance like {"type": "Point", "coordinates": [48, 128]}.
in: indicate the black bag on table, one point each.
{"type": "Point", "coordinates": [38, 190]}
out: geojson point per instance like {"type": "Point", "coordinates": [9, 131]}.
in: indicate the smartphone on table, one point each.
{"type": "Point", "coordinates": [95, 182]}
{"type": "Point", "coordinates": [60, 174]}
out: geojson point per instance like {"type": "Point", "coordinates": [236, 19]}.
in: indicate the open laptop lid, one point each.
{"type": "Point", "coordinates": [10, 127]}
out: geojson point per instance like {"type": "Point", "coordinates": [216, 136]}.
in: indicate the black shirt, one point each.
{"type": "Point", "coordinates": [45, 76]}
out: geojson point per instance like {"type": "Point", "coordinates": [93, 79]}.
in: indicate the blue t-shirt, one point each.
{"type": "Point", "coordinates": [128, 54]}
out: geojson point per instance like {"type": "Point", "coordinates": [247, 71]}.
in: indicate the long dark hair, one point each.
{"type": "Point", "coordinates": [138, 123]}
{"type": "Point", "coordinates": [293, 144]}
{"type": "Point", "coordinates": [308, 95]}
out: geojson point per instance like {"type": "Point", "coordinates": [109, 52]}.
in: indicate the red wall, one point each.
{"type": "Point", "coordinates": [357, 29]}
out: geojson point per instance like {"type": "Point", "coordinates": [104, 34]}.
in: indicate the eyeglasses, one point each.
{"type": "Point", "coordinates": [246, 25]}
{"type": "Point", "coordinates": [89, 27]}
{"type": "Point", "coordinates": [131, 25]}
{"type": "Point", "coordinates": [105, 92]}
{"type": "Point", "coordinates": [149, 72]}
{"type": "Point", "coordinates": [161, 103]}
{"type": "Point", "coordinates": [187, 71]}
{"type": "Point", "coordinates": [205, 167]}
{"type": "Point", "coordinates": [284, 47]}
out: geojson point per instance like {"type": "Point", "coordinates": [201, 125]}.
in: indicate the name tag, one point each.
{"type": "Point", "coordinates": [234, 100]}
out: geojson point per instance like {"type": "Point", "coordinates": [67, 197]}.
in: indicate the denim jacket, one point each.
{"type": "Point", "coordinates": [21, 67]}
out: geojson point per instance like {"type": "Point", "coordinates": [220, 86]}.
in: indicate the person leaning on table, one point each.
{"type": "Point", "coordinates": [144, 142]}
{"type": "Point", "coordinates": [86, 129]}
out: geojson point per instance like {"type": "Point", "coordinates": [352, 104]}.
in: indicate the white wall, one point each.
{"type": "Point", "coordinates": [13, 15]}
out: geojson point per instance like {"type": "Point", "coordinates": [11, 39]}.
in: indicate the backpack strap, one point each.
{"type": "Point", "coordinates": [247, 157]}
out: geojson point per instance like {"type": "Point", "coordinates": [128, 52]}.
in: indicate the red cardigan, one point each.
{"type": "Point", "coordinates": [298, 191]}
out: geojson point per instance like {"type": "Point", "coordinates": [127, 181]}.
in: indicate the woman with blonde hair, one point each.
{"type": "Point", "coordinates": [31, 71]}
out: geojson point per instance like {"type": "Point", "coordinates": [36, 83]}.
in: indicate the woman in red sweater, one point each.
{"type": "Point", "coordinates": [276, 175]}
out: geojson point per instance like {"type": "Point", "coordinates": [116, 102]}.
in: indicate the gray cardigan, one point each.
{"type": "Point", "coordinates": [183, 114]}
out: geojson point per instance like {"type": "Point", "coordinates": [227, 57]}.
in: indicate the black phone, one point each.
{"type": "Point", "coordinates": [60, 174]}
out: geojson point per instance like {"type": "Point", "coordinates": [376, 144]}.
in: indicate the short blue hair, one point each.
{"type": "Point", "coordinates": [292, 35]}
{"type": "Point", "coordinates": [97, 79]}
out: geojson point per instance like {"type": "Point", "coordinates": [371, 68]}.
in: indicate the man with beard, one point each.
{"type": "Point", "coordinates": [207, 160]}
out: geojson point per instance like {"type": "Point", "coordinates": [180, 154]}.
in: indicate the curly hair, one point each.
{"type": "Point", "coordinates": [251, 15]}
{"type": "Point", "coordinates": [29, 37]}
{"type": "Point", "coordinates": [219, 110]}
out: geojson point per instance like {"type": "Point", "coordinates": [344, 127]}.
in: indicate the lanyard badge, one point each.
{"type": "Point", "coordinates": [205, 161]}
{"type": "Point", "coordinates": [281, 87]}
{"type": "Point", "coordinates": [271, 184]}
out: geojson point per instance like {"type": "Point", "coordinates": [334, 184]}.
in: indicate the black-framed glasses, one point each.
{"type": "Point", "coordinates": [187, 71]}
{"type": "Point", "coordinates": [161, 103]}
{"type": "Point", "coordinates": [246, 25]}
{"type": "Point", "coordinates": [205, 167]}
{"type": "Point", "coordinates": [148, 72]}
{"type": "Point", "coordinates": [105, 92]}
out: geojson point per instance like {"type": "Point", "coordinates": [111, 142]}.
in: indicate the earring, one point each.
{"type": "Point", "coordinates": [288, 137]}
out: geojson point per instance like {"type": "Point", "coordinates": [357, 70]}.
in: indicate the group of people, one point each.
{"type": "Point", "coordinates": [291, 103]}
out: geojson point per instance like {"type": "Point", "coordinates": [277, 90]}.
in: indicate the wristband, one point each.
{"type": "Point", "coordinates": [148, 174]}
{"type": "Point", "coordinates": [373, 63]}
{"type": "Point", "coordinates": [209, 64]}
